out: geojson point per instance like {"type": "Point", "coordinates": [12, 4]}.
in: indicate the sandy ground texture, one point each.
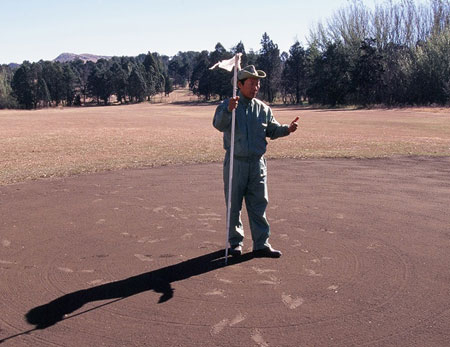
{"type": "Point", "coordinates": [135, 258]}
{"type": "Point", "coordinates": [70, 141]}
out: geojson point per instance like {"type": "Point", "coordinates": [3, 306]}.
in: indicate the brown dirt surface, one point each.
{"type": "Point", "coordinates": [134, 257]}
{"type": "Point", "coordinates": [63, 142]}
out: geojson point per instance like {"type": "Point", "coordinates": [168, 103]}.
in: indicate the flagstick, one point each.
{"type": "Point", "coordinates": [230, 179]}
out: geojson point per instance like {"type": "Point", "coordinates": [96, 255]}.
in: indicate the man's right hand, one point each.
{"type": "Point", "coordinates": [232, 103]}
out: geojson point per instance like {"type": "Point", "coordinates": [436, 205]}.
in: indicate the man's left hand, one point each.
{"type": "Point", "coordinates": [294, 125]}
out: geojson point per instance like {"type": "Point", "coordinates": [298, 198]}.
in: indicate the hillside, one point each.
{"type": "Point", "coordinates": [65, 57]}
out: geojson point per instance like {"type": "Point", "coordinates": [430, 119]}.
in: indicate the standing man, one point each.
{"type": "Point", "coordinates": [254, 122]}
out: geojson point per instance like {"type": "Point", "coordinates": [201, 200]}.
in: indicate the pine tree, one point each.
{"type": "Point", "coordinates": [22, 86]}
{"type": "Point", "coordinates": [294, 73]}
{"type": "Point", "coordinates": [137, 85]}
{"type": "Point", "coordinates": [270, 62]}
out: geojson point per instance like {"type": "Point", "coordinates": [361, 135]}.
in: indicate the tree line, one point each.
{"type": "Point", "coordinates": [47, 83]}
{"type": "Point", "coordinates": [397, 53]}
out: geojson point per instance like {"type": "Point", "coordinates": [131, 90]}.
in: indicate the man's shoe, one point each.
{"type": "Point", "coordinates": [267, 252]}
{"type": "Point", "coordinates": [235, 250]}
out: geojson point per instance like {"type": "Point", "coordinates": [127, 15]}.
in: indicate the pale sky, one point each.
{"type": "Point", "coordinates": [42, 29]}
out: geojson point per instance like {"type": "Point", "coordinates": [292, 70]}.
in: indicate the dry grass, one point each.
{"type": "Point", "coordinates": [61, 142]}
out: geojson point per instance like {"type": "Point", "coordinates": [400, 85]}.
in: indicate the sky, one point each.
{"type": "Point", "coordinates": [42, 29]}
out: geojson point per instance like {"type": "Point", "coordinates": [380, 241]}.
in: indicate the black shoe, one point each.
{"type": "Point", "coordinates": [267, 252]}
{"type": "Point", "coordinates": [235, 250]}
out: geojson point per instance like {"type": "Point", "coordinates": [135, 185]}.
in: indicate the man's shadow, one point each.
{"type": "Point", "coordinates": [158, 280]}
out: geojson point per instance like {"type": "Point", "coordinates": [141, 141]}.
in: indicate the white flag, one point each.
{"type": "Point", "coordinates": [228, 64]}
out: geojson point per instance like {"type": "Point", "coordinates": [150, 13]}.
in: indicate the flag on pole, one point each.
{"type": "Point", "coordinates": [228, 64]}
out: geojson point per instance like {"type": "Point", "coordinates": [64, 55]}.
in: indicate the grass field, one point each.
{"type": "Point", "coordinates": [66, 141]}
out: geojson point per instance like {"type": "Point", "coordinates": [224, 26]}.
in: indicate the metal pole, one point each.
{"type": "Point", "coordinates": [230, 176]}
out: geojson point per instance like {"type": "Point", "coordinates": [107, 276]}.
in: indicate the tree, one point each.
{"type": "Point", "coordinates": [174, 71]}
{"type": "Point", "coordinates": [218, 79]}
{"type": "Point", "coordinates": [99, 82]}
{"type": "Point", "coordinates": [69, 80]}
{"type": "Point", "coordinates": [396, 76]}
{"type": "Point", "coordinates": [200, 84]}
{"type": "Point", "coordinates": [22, 86]}
{"type": "Point", "coordinates": [154, 77]}
{"type": "Point", "coordinates": [6, 98]}
{"type": "Point", "coordinates": [431, 76]}
{"type": "Point", "coordinates": [168, 86]}
{"type": "Point", "coordinates": [269, 61]}
{"type": "Point", "coordinates": [366, 76]}
{"type": "Point", "coordinates": [127, 64]}
{"type": "Point", "coordinates": [42, 93]}
{"type": "Point", "coordinates": [294, 73]}
{"type": "Point", "coordinates": [330, 76]}
{"type": "Point", "coordinates": [181, 66]}
{"type": "Point", "coordinates": [252, 58]}
{"type": "Point", "coordinates": [137, 86]}
{"type": "Point", "coordinates": [53, 75]}
{"type": "Point", "coordinates": [82, 71]}
{"type": "Point", "coordinates": [239, 48]}
{"type": "Point", "coordinates": [119, 81]}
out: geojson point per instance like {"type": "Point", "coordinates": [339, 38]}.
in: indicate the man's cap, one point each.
{"type": "Point", "coordinates": [250, 72]}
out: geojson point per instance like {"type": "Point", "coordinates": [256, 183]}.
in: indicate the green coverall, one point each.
{"type": "Point", "coordinates": [254, 122]}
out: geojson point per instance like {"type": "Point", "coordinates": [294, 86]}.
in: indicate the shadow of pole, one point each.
{"type": "Point", "coordinates": [158, 280]}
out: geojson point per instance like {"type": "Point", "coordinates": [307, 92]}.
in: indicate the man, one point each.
{"type": "Point", "coordinates": [254, 122]}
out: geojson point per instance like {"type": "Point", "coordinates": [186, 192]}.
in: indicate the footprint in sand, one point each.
{"type": "Point", "coordinates": [208, 219]}
{"type": "Point", "coordinates": [333, 288]}
{"type": "Point", "coordinates": [297, 243]}
{"type": "Point", "coordinates": [159, 209]}
{"type": "Point", "coordinates": [217, 292]}
{"type": "Point", "coordinates": [65, 269]}
{"type": "Point", "coordinates": [186, 236]}
{"type": "Point", "coordinates": [312, 273]}
{"type": "Point", "coordinates": [236, 320]}
{"type": "Point", "coordinates": [148, 239]}
{"type": "Point", "coordinates": [262, 271]}
{"type": "Point", "coordinates": [258, 338]}
{"type": "Point", "coordinates": [290, 302]}
{"type": "Point", "coordinates": [276, 221]}
{"type": "Point", "coordinates": [97, 282]}
{"type": "Point", "coordinates": [374, 245]}
{"type": "Point", "coordinates": [225, 280]}
{"type": "Point", "coordinates": [217, 328]}
{"type": "Point", "coordinates": [209, 215]}
{"type": "Point", "coordinates": [272, 281]}
{"type": "Point", "coordinates": [143, 257]}
{"type": "Point", "coordinates": [6, 262]}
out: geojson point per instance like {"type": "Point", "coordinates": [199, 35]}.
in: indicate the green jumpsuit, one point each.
{"type": "Point", "coordinates": [254, 122]}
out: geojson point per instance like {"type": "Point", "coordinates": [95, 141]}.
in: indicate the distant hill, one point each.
{"type": "Point", "coordinates": [65, 57]}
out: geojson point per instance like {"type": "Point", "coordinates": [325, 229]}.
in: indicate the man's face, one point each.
{"type": "Point", "coordinates": [250, 87]}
